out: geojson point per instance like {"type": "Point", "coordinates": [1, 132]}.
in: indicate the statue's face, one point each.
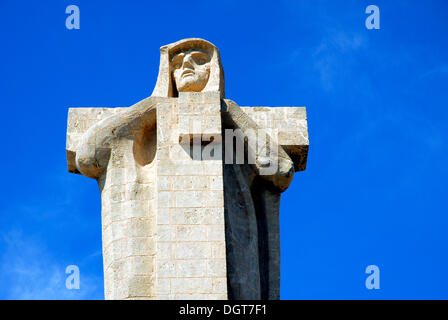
{"type": "Point", "coordinates": [191, 70]}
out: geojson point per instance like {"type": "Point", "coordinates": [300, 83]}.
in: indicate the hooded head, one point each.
{"type": "Point", "coordinates": [189, 65]}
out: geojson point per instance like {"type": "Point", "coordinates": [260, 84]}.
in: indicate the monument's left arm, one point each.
{"type": "Point", "coordinates": [89, 155]}
{"type": "Point", "coordinates": [281, 177]}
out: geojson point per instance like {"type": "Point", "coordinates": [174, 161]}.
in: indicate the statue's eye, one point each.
{"type": "Point", "coordinates": [176, 63]}
{"type": "Point", "coordinates": [200, 58]}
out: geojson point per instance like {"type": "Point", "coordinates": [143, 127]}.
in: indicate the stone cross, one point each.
{"type": "Point", "coordinates": [179, 223]}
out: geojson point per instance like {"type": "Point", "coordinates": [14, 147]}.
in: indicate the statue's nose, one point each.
{"type": "Point", "coordinates": [187, 63]}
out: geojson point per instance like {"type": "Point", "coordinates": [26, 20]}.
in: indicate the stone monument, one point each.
{"type": "Point", "coordinates": [185, 213]}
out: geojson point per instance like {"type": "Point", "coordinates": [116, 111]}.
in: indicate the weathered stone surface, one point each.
{"type": "Point", "coordinates": [179, 220]}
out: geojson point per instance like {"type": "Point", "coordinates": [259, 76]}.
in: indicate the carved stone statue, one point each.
{"type": "Point", "coordinates": [185, 215]}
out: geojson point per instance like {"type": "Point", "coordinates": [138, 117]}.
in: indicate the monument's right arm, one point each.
{"type": "Point", "coordinates": [94, 148]}
{"type": "Point", "coordinates": [281, 175]}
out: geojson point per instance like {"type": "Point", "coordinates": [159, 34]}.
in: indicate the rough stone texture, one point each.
{"type": "Point", "coordinates": [190, 200]}
{"type": "Point", "coordinates": [179, 222]}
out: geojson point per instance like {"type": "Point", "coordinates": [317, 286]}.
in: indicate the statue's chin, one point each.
{"type": "Point", "coordinates": [191, 83]}
{"type": "Point", "coordinates": [191, 87]}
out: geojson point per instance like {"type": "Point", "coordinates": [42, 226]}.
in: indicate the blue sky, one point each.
{"type": "Point", "coordinates": [374, 191]}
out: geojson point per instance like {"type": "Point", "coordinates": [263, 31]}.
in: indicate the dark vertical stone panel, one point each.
{"type": "Point", "coordinates": [263, 245]}
{"type": "Point", "coordinates": [266, 203]}
{"type": "Point", "coordinates": [251, 208]}
{"type": "Point", "coordinates": [252, 236]}
{"type": "Point", "coordinates": [243, 274]}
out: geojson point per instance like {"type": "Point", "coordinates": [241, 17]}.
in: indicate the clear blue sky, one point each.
{"type": "Point", "coordinates": [375, 188]}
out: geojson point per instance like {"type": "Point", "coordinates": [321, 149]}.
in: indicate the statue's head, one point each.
{"type": "Point", "coordinates": [189, 65]}
{"type": "Point", "coordinates": [190, 70]}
